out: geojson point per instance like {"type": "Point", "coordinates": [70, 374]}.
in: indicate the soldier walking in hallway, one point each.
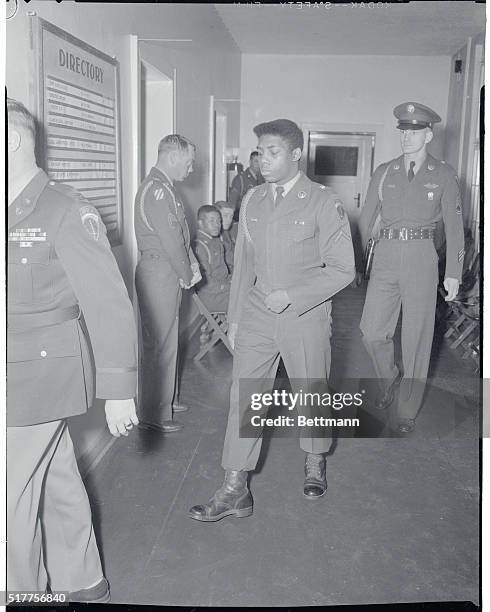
{"type": "Point", "coordinates": [411, 194]}
{"type": "Point", "coordinates": [293, 254]}
{"type": "Point", "coordinates": [60, 269]}
{"type": "Point", "coordinates": [167, 265]}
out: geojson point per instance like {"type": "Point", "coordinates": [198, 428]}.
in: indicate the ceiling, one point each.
{"type": "Point", "coordinates": [365, 28]}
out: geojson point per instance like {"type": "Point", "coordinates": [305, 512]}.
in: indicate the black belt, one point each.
{"type": "Point", "coordinates": [407, 233]}
{"type": "Point", "coordinates": [23, 322]}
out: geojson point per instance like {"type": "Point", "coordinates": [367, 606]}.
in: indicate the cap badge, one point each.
{"type": "Point", "coordinates": [430, 195]}
{"type": "Point", "coordinates": [396, 167]}
{"type": "Point", "coordinates": [410, 108]}
{"type": "Point", "coordinates": [302, 194]}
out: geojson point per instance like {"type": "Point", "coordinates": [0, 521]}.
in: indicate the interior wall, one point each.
{"type": "Point", "coordinates": [210, 64]}
{"type": "Point", "coordinates": [345, 93]}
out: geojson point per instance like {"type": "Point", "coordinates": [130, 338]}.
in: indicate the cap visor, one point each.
{"type": "Point", "coordinates": [412, 126]}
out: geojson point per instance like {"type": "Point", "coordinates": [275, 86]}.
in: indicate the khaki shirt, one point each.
{"type": "Point", "coordinates": [302, 245]}
{"type": "Point", "coordinates": [161, 227]}
{"type": "Point", "coordinates": [432, 195]}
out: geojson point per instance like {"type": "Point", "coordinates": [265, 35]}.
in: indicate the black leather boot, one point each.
{"type": "Point", "coordinates": [232, 499]}
{"type": "Point", "coordinates": [315, 484]}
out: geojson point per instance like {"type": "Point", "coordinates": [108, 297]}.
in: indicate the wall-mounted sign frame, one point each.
{"type": "Point", "coordinates": [78, 109]}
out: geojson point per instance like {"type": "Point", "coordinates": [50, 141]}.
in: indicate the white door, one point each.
{"type": "Point", "coordinates": [343, 162]}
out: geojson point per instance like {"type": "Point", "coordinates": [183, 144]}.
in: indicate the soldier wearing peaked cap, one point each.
{"type": "Point", "coordinates": [167, 265]}
{"type": "Point", "coordinates": [293, 254]}
{"type": "Point", "coordinates": [411, 194]}
{"type": "Point", "coordinates": [60, 269]}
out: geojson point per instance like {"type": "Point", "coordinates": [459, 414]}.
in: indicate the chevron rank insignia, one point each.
{"type": "Point", "coordinates": [461, 255]}
{"type": "Point", "coordinates": [159, 193]}
{"type": "Point", "coordinates": [340, 235]}
{"type": "Point", "coordinates": [458, 209]}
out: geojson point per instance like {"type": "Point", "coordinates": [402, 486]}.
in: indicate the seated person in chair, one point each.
{"type": "Point", "coordinates": [214, 289]}
{"type": "Point", "coordinates": [229, 231]}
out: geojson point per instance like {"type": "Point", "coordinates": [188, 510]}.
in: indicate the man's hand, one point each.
{"type": "Point", "coordinates": [120, 416]}
{"type": "Point", "coordinates": [196, 275]}
{"type": "Point", "coordinates": [277, 301]}
{"type": "Point", "coordinates": [451, 285]}
{"type": "Point", "coordinates": [232, 330]}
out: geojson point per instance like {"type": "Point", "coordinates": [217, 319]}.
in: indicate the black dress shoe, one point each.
{"type": "Point", "coordinates": [389, 395]}
{"type": "Point", "coordinates": [162, 426]}
{"type": "Point", "coordinates": [97, 594]}
{"type": "Point", "coordinates": [232, 499]}
{"type": "Point", "coordinates": [315, 484]}
{"type": "Point", "coordinates": [406, 425]}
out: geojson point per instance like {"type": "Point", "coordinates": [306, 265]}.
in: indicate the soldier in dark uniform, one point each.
{"type": "Point", "coordinates": [229, 231]}
{"type": "Point", "coordinates": [62, 280]}
{"type": "Point", "coordinates": [244, 181]}
{"type": "Point", "coordinates": [167, 266]}
{"type": "Point", "coordinates": [293, 254]}
{"type": "Point", "coordinates": [214, 289]}
{"type": "Point", "coordinates": [411, 193]}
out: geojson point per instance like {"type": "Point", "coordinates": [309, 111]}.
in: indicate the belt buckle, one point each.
{"type": "Point", "coordinates": [403, 233]}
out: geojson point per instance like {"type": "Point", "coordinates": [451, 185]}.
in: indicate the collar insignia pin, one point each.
{"type": "Point", "coordinates": [302, 194]}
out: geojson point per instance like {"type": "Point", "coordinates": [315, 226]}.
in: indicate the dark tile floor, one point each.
{"type": "Point", "coordinates": [400, 522]}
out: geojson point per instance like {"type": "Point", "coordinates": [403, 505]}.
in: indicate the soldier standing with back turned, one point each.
{"type": "Point", "coordinates": [411, 193]}
{"type": "Point", "coordinates": [167, 266]}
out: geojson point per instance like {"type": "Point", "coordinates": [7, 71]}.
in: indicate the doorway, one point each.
{"type": "Point", "coordinates": [156, 112]}
{"type": "Point", "coordinates": [344, 162]}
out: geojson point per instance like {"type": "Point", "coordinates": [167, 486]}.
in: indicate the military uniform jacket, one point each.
{"type": "Point", "coordinates": [210, 253]}
{"type": "Point", "coordinates": [228, 237]}
{"type": "Point", "coordinates": [432, 195]}
{"type": "Point", "coordinates": [302, 245]}
{"type": "Point", "coordinates": [161, 227]}
{"type": "Point", "coordinates": [241, 184]}
{"type": "Point", "coordinates": [60, 261]}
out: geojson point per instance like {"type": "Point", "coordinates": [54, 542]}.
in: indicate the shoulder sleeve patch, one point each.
{"type": "Point", "coordinates": [173, 221]}
{"type": "Point", "coordinates": [340, 209]}
{"type": "Point", "coordinates": [90, 221]}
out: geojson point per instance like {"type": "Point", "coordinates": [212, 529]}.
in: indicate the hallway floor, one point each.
{"type": "Point", "coordinates": [399, 523]}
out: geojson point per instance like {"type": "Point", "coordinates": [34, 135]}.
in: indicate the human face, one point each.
{"type": "Point", "coordinates": [211, 224]}
{"type": "Point", "coordinates": [255, 164]}
{"type": "Point", "coordinates": [278, 164]}
{"type": "Point", "coordinates": [227, 217]}
{"type": "Point", "coordinates": [183, 162]}
{"type": "Point", "coordinates": [413, 142]}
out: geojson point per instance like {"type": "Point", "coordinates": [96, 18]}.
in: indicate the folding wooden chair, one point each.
{"type": "Point", "coordinates": [218, 323]}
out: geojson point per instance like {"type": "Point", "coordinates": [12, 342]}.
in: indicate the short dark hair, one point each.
{"type": "Point", "coordinates": [205, 210]}
{"type": "Point", "coordinates": [222, 204]}
{"type": "Point", "coordinates": [19, 116]}
{"type": "Point", "coordinates": [175, 142]}
{"type": "Point", "coordinates": [254, 154]}
{"type": "Point", "coordinates": [285, 129]}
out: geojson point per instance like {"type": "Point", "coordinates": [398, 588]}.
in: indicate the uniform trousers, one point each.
{"type": "Point", "coordinates": [49, 523]}
{"type": "Point", "coordinates": [159, 300]}
{"type": "Point", "coordinates": [215, 301]}
{"type": "Point", "coordinates": [263, 337]}
{"type": "Point", "coordinates": [404, 276]}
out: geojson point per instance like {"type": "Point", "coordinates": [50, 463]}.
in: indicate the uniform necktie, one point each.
{"type": "Point", "coordinates": [279, 194]}
{"type": "Point", "coordinates": [411, 173]}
